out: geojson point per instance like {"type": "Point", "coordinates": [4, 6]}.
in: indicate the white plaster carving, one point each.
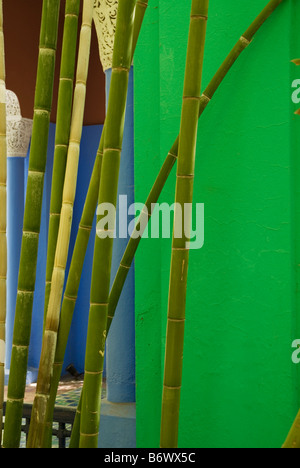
{"type": "Point", "coordinates": [105, 16]}
{"type": "Point", "coordinates": [19, 129]}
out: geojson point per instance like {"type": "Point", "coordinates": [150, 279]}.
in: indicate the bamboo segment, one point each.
{"type": "Point", "coordinates": [31, 223]}
{"type": "Point", "coordinates": [113, 138]}
{"type": "Point", "coordinates": [3, 196]}
{"type": "Point", "coordinates": [63, 122]}
{"type": "Point", "coordinates": [180, 251]}
{"type": "Point", "coordinates": [38, 417]}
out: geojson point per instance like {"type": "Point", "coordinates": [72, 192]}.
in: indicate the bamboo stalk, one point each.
{"type": "Point", "coordinates": [31, 224]}
{"type": "Point", "coordinates": [62, 133]}
{"type": "Point", "coordinates": [38, 416]}
{"type": "Point", "coordinates": [180, 250]}
{"type": "Point", "coordinates": [293, 438]}
{"type": "Point", "coordinates": [113, 138]}
{"type": "Point", "coordinates": [3, 197]}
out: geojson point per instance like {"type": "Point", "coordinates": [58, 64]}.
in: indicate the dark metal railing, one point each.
{"type": "Point", "coordinates": [63, 417]}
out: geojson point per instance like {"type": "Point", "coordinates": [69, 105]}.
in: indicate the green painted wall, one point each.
{"type": "Point", "coordinates": [240, 387]}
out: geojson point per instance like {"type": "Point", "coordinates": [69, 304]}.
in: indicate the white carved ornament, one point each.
{"type": "Point", "coordinates": [105, 16]}
{"type": "Point", "coordinates": [18, 129]}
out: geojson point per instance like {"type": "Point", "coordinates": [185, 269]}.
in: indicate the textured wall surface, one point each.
{"type": "Point", "coordinates": [240, 387]}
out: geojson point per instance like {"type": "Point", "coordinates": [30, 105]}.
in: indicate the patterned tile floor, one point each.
{"type": "Point", "coordinates": [68, 395]}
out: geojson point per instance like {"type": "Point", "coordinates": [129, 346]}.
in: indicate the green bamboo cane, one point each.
{"type": "Point", "coordinates": [63, 122]}
{"type": "Point", "coordinates": [293, 437]}
{"type": "Point", "coordinates": [113, 138]}
{"type": "Point", "coordinates": [38, 416]}
{"type": "Point", "coordinates": [82, 239]}
{"type": "Point", "coordinates": [156, 190]}
{"type": "Point", "coordinates": [3, 196]}
{"type": "Point", "coordinates": [31, 223]}
{"type": "Point", "coordinates": [180, 250]}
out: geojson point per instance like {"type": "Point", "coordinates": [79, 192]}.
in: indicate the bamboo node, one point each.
{"type": "Point", "coordinates": [15, 399]}
{"type": "Point", "coordinates": [117, 150]}
{"type": "Point", "coordinates": [172, 388]}
{"type": "Point", "coordinates": [41, 395]}
{"type": "Point", "coordinates": [244, 41]}
{"type": "Point", "coordinates": [146, 213]}
{"type": "Point", "coordinates": [125, 266]}
{"type": "Point", "coordinates": [88, 25]}
{"type": "Point", "coordinates": [205, 98]}
{"type": "Point", "coordinates": [82, 82]}
{"type": "Point", "coordinates": [199, 17]}
{"type": "Point", "coordinates": [20, 346]}
{"type": "Point", "coordinates": [93, 373]}
{"type": "Point", "coordinates": [120, 69]}
{"type": "Point", "coordinates": [85, 228]}
{"type": "Point", "coordinates": [23, 291]}
{"type": "Point", "coordinates": [70, 298]}
{"type": "Point", "coordinates": [176, 320]}
{"type": "Point", "coordinates": [38, 110]}
{"type": "Point", "coordinates": [190, 176]}
{"type": "Point", "coordinates": [74, 142]}
{"type": "Point", "coordinates": [89, 435]}
{"type": "Point", "coordinates": [65, 79]}
{"type": "Point", "coordinates": [142, 4]}
{"type": "Point", "coordinates": [48, 50]}
{"type": "Point", "coordinates": [173, 155]}
{"type": "Point", "coordinates": [31, 233]}
{"type": "Point", "coordinates": [40, 173]}
{"type": "Point", "coordinates": [72, 15]}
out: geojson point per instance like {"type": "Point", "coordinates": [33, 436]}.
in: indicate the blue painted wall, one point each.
{"type": "Point", "coordinates": [120, 349]}
{"type": "Point", "coordinates": [17, 177]}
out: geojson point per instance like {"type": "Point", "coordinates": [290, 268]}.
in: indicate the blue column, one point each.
{"type": "Point", "coordinates": [75, 352]}
{"type": "Point", "coordinates": [120, 348]}
{"type": "Point", "coordinates": [16, 193]}
{"type": "Point", "coordinates": [17, 182]}
{"type": "Point", "coordinates": [39, 293]}
{"type": "Point", "coordinates": [15, 212]}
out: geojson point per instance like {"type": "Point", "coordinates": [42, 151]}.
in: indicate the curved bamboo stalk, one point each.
{"type": "Point", "coordinates": [153, 197]}
{"type": "Point", "coordinates": [3, 196]}
{"type": "Point", "coordinates": [171, 158]}
{"type": "Point", "coordinates": [180, 250]}
{"type": "Point", "coordinates": [62, 134]}
{"type": "Point", "coordinates": [38, 416]}
{"type": "Point", "coordinates": [31, 224]}
{"type": "Point", "coordinates": [113, 138]}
